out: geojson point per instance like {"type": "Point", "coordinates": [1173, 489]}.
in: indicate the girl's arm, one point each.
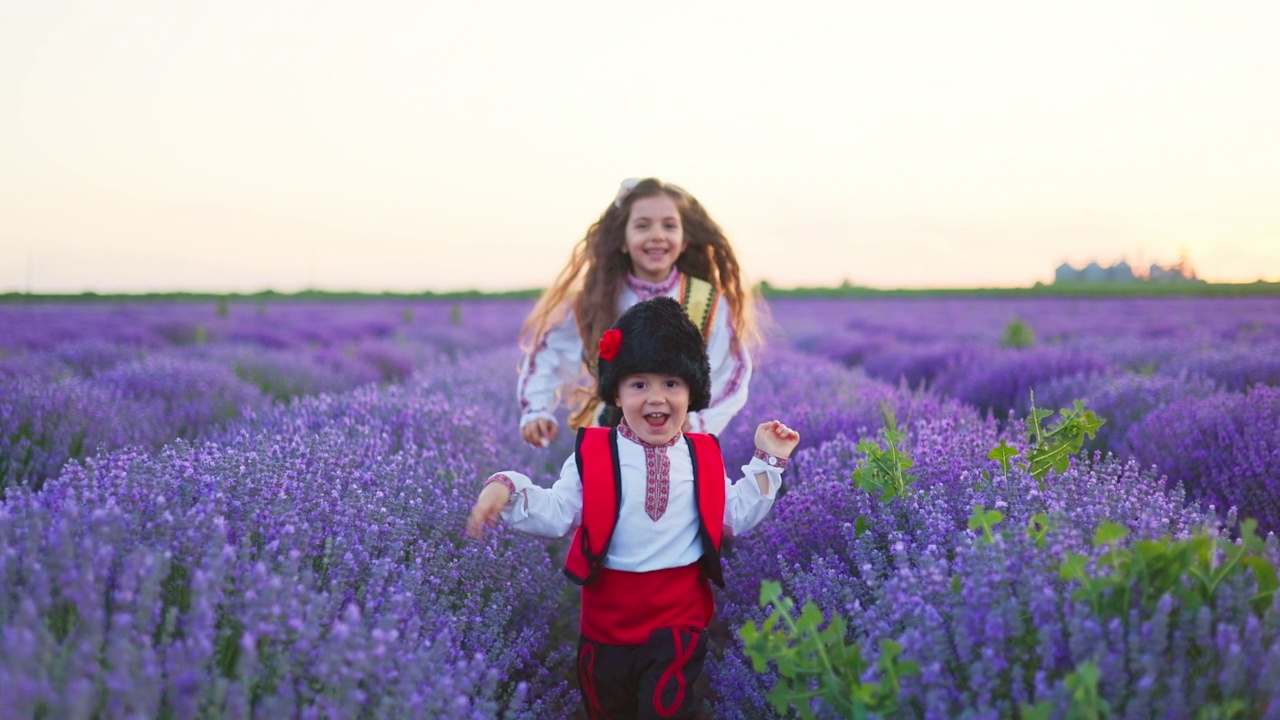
{"type": "Point", "coordinates": [748, 501]}
{"type": "Point", "coordinates": [545, 512]}
{"type": "Point", "coordinates": [556, 363]}
{"type": "Point", "coordinates": [730, 374]}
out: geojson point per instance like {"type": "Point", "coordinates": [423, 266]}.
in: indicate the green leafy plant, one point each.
{"type": "Point", "coordinates": [1051, 448]}
{"type": "Point", "coordinates": [1037, 527]}
{"type": "Point", "coordinates": [815, 662]}
{"type": "Point", "coordinates": [983, 519]}
{"type": "Point", "coordinates": [883, 471]}
{"type": "Point", "coordinates": [1002, 454]}
{"type": "Point", "coordinates": [1017, 334]}
{"type": "Point", "coordinates": [1086, 702]}
{"type": "Point", "coordinates": [1191, 570]}
{"type": "Point", "coordinates": [986, 520]}
{"type": "Point", "coordinates": [860, 526]}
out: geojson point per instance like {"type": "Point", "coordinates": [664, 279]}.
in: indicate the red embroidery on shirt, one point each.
{"type": "Point", "coordinates": [528, 375]}
{"type": "Point", "coordinates": [648, 290]}
{"type": "Point", "coordinates": [657, 472]}
{"type": "Point", "coordinates": [501, 478]}
{"type": "Point", "coordinates": [657, 481]}
{"type": "Point", "coordinates": [739, 369]}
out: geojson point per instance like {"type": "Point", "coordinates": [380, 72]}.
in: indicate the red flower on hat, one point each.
{"type": "Point", "coordinates": [610, 343]}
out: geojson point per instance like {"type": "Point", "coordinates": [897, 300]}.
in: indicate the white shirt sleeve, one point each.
{"type": "Point", "coordinates": [744, 506]}
{"type": "Point", "coordinates": [545, 512]}
{"type": "Point", "coordinates": [730, 375]}
{"type": "Point", "coordinates": [552, 368]}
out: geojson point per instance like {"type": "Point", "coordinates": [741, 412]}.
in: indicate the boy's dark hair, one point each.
{"type": "Point", "coordinates": [656, 337]}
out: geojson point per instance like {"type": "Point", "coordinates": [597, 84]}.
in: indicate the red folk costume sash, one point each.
{"type": "Point", "coordinates": [597, 458]}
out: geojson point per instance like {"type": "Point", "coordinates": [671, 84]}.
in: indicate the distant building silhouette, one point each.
{"type": "Point", "coordinates": [1173, 273]}
{"type": "Point", "coordinates": [1121, 272]}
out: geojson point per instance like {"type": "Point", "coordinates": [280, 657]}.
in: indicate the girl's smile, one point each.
{"type": "Point", "coordinates": [655, 237]}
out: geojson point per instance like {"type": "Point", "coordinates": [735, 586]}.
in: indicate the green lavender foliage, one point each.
{"type": "Point", "coordinates": [816, 663]}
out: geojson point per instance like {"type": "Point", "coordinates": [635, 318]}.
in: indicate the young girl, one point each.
{"type": "Point", "coordinates": [653, 240]}
{"type": "Point", "coordinates": [650, 504]}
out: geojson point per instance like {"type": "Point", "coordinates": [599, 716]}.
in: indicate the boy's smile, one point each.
{"type": "Point", "coordinates": [654, 405]}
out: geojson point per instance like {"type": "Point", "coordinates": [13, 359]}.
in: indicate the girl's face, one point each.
{"type": "Point", "coordinates": [655, 237]}
{"type": "Point", "coordinates": [654, 405]}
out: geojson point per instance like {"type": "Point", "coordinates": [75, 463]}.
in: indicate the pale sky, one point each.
{"type": "Point", "coordinates": [151, 145]}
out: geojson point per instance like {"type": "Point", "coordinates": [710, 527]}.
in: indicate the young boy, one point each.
{"type": "Point", "coordinates": [650, 504]}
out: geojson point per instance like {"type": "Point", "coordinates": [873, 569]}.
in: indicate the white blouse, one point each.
{"type": "Point", "coordinates": [641, 542]}
{"type": "Point", "coordinates": [555, 365]}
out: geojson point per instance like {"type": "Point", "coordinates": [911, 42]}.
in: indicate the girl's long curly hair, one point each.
{"type": "Point", "coordinates": [592, 280]}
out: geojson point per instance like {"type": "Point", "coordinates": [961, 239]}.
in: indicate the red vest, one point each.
{"type": "Point", "coordinates": [596, 452]}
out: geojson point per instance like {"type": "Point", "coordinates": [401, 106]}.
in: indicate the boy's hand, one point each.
{"type": "Point", "coordinates": [776, 439]}
{"type": "Point", "coordinates": [486, 511]}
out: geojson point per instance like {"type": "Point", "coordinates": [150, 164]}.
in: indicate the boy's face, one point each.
{"type": "Point", "coordinates": [654, 405]}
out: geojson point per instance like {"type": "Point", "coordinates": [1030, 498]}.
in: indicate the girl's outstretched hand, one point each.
{"type": "Point", "coordinates": [539, 433]}
{"type": "Point", "coordinates": [776, 439]}
{"type": "Point", "coordinates": [488, 507]}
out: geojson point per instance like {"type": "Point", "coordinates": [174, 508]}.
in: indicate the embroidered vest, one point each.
{"type": "Point", "coordinates": [596, 452]}
{"type": "Point", "coordinates": [698, 298]}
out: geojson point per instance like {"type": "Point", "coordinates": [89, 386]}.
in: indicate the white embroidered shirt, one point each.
{"type": "Point", "coordinates": [642, 543]}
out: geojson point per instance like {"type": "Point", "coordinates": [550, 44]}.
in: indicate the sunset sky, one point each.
{"type": "Point", "coordinates": [240, 146]}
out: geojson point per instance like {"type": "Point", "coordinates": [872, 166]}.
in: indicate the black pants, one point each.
{"type": "Point", "coordinates": [652, 680]}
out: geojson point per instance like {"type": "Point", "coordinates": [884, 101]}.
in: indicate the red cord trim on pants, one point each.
{"type": "Point", "coordinates": [587, 678]}
{"type": "Point", "coordinates": [676, 669]}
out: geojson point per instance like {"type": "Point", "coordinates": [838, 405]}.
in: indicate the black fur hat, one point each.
{"type": "Point", "coordinates": [654, 336]}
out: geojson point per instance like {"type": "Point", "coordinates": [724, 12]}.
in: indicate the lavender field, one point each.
{"type": "Point", "coordinates": [255, 509]}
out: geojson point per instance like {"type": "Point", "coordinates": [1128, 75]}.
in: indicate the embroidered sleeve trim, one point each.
{"type": "Point", "coordinates": [735, 380]}
{"type": "Point", "coordinates": [530, 369]}
{"type": "Point", "coordinates": [771, 460]}
{"type": "Point", "coordinates": [500, 478]}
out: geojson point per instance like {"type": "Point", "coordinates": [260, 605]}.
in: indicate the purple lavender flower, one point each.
{"type": "Point", "coordinates": [1223, 447]}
